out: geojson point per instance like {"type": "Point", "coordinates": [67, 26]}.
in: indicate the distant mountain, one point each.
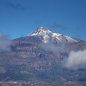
{"type": "Point", "coordinates": [39, 57]}
{"type": "Point", "coordinates": [49, 36]}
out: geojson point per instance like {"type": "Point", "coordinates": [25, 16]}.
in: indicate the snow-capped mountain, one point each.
{"type": "Point", "coordinates": [44, 39]}
{"type": "Point", "coordinates": [51, 36]}
{"type": "Point", "coordinates": [39, 58]}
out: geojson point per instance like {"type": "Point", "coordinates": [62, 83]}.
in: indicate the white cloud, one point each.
{"type": "Point", "coordinates": [76, 59]}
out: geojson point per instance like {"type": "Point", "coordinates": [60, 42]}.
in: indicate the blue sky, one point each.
{"type": "Point", "coordinates": [20, 17]}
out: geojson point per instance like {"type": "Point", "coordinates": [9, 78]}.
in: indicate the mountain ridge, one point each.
{"type": "Point", "coordinates": [46, 33]}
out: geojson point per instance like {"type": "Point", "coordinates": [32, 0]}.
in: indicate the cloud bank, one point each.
{"type": "Point", "coordinates": [76, 59]}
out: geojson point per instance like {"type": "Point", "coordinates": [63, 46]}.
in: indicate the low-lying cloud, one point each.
{"type": "Point", "coordinates": [76, 59]}
{"type": "Point", "coordinates": [4, 43]}
{"type": "Point", "coordinates": [53, 48]}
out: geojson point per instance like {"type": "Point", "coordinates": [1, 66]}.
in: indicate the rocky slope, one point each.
{"type": "Point", "coordinates": [40, 57]}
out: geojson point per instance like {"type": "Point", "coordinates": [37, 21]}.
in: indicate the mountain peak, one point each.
{"type": "Point", "coordinates": [41, 31]}
{"type": "Point", "coordinates": [49, 36]}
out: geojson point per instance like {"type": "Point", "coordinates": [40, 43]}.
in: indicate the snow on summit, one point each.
{"type": "Point", "coordinates": [50, 36]}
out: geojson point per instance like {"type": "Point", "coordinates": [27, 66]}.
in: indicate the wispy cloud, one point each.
{"type": "Point", "coordinates": [57, 25]}
{"type": "Point", "coordinates": [4, 43]}
{"type": "Point", "coordinates": [15, 4]}
{"type": "Point", "coordinates": [56, 49]}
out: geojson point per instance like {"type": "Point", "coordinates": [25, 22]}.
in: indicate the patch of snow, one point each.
{"type": "Point", "coordinates": [49, 35]}
{"type": "Point", "coordinates": [70, 39]}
